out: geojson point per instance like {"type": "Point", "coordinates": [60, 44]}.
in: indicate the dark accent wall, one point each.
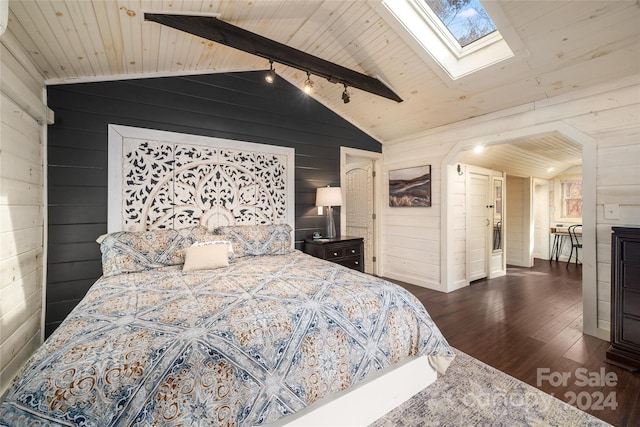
{"type": "Point", "coordinates": [238, 106]}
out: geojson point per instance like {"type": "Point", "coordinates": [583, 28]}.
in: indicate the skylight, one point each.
{"type": "Point", "coordinates": [461, 36]}
{"type": "Point", "coordinates": [466, 20]}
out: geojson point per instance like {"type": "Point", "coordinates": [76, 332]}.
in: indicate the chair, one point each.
{"type": "Point", "coordinates": [575, 242]}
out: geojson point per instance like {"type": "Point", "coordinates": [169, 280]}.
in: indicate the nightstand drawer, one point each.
{"type": "Point", "coordinates": [334, 253]}
{"type": "Point", "coordinates": [353, 250]}
{"type": "Point", "coordinates": [342, 250]}
{"type": "Point", "coordinates": [354, 263]}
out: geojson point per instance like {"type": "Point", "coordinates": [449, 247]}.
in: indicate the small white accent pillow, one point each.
{"type": "Point", "coordinates": [207, 257]}
{"type": "Point", "coordinates": [219, 242]}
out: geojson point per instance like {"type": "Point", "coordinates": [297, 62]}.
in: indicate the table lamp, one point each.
{"type": "Point", "coordinates": [329, 197]}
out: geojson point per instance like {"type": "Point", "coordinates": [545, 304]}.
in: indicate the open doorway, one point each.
{"type": "Point", "coordinates": [537, 170]}
{"type": "Point", "coordinates": [550, 136]}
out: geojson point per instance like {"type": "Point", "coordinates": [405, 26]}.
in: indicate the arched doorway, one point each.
{"type": "Point", "coordinates": [449, 278]}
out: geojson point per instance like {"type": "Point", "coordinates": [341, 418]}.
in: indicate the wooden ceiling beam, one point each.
{"type": "Point", "coordinates": [224, 33]}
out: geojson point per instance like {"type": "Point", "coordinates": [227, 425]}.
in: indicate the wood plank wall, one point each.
{"type": "Point", "coordinates": [608, 113]}
{"type": "Point", "coordinates": [21, 210]}
{"type": "Point", "coordinates": [238, 106]}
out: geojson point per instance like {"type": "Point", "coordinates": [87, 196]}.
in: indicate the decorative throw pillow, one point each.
{"type": "Point", "coordinates": [132, 251]}
{"type": "Point", "coordinates": [255, 240]}
{"type": "Point", "coordinates": [206, 257]}
{"type": "Point", "coordinates": [218, 240]}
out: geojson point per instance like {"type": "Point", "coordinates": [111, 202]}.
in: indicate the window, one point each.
{"type": "Point", "coordinates": [465, 20]}
{"type": "Point", "coordinates": [571, 199]}
{"type": "Point", "coordinates": [461, 36]}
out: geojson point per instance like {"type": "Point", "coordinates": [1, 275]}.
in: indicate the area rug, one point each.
{"type": "Point", "coordinates": [472, 393]}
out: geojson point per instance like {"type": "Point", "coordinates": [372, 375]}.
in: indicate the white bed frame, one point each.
{"type": "Point", "coordinates": [357, 406]}
{"type": "Point", "coordinates": [368, 400]}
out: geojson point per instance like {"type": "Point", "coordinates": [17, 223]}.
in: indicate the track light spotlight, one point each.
{"type": "Point", "coordinates": [308, 85]}
{"type": "Point", "coordinates": [270, 76]}
{"type": "Point", "coordinates": [346, 97]}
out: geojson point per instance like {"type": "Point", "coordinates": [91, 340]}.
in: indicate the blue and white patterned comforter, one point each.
{"type": "Point", "coordinates": [242, 345]}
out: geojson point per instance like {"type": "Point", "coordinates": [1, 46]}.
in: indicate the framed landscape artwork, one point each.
{"type": "Point", "coordinates": [410, 186]}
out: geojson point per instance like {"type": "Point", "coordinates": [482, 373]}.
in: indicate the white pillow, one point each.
{"type": "Point", "coordinates": [219, 242]}
{"type": "Point", "coordinates": [205, 257]}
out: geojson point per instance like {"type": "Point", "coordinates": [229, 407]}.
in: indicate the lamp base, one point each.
{"type": "Point", "coordinates": [331, 225]}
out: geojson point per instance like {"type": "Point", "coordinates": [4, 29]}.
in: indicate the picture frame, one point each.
{"type": "Point", "coordinates": [410, 187]}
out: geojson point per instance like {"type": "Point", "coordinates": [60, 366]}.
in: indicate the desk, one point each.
{"type": "Point", "coordinates": [559, 233]}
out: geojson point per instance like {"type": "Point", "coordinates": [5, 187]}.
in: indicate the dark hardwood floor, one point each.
{"type": "Point", "coordinates": [529, 325]}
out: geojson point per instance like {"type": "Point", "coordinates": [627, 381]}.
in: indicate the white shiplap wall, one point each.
{"type": "Point", "coordinates": [607, 115]}
{"type": "Point", "coordinates": [411, 235]}
{"type": "Point", "coordinates": [22, 208]}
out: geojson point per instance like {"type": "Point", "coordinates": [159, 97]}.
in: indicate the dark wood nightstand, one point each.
{"type": "Point", "coordinates": [344, 250]}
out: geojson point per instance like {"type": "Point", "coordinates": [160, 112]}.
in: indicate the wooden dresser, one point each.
{"type": "Point", "coordinates": [345, 250]}
{"type": "Point", "coordinates": [625, 298]}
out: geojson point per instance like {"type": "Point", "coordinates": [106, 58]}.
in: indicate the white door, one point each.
{"type": "Point", "coordinates": [478, 225]}
{"type": "Point", "coordinates": [541, 224]}
{"type": "Point", "coordinates": [359, 207]}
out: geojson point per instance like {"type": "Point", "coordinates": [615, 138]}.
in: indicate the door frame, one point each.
{"type": "Point", "coordinates": [589, 161]}
{"type": "Point", "coordinates": [376, 158]}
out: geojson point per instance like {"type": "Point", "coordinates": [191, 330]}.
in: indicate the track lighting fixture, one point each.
{"type": "Point", "coordinates": [346, 97]}
{"type": "Point", "coordinates": [270, 76]}
{"type": "Point", "coordinates": [218, 31]}
{"type": "Point", "coordinates": [308, 85]}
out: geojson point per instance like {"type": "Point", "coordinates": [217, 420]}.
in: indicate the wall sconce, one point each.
{"type": "Point", "coordinates": [459, 169]}
{"type": "Point", "coordinates": [329, 197]}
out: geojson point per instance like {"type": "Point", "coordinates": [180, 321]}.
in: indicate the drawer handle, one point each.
{"type": "Point", "coordinates": [353, 251]}
{"type": "Point", "coordinates": [335, 254]}
{"type": "Point", "coordinates": [357, 262]}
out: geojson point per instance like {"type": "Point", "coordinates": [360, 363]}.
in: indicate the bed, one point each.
{"type": "Point", "coordinates": [205, 314]}
{"type": "Point", "coordinates": [255, 332]}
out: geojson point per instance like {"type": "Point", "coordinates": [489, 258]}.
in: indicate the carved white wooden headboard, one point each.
{"type": "Point", "coordinates": [161, 179]}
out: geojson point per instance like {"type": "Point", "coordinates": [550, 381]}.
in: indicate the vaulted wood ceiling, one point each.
{"type": "Point", "coordinates": [567, 45]}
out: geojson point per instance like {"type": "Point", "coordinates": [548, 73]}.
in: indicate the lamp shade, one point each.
{"type": "Point", "coordinates": [329, 196]}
